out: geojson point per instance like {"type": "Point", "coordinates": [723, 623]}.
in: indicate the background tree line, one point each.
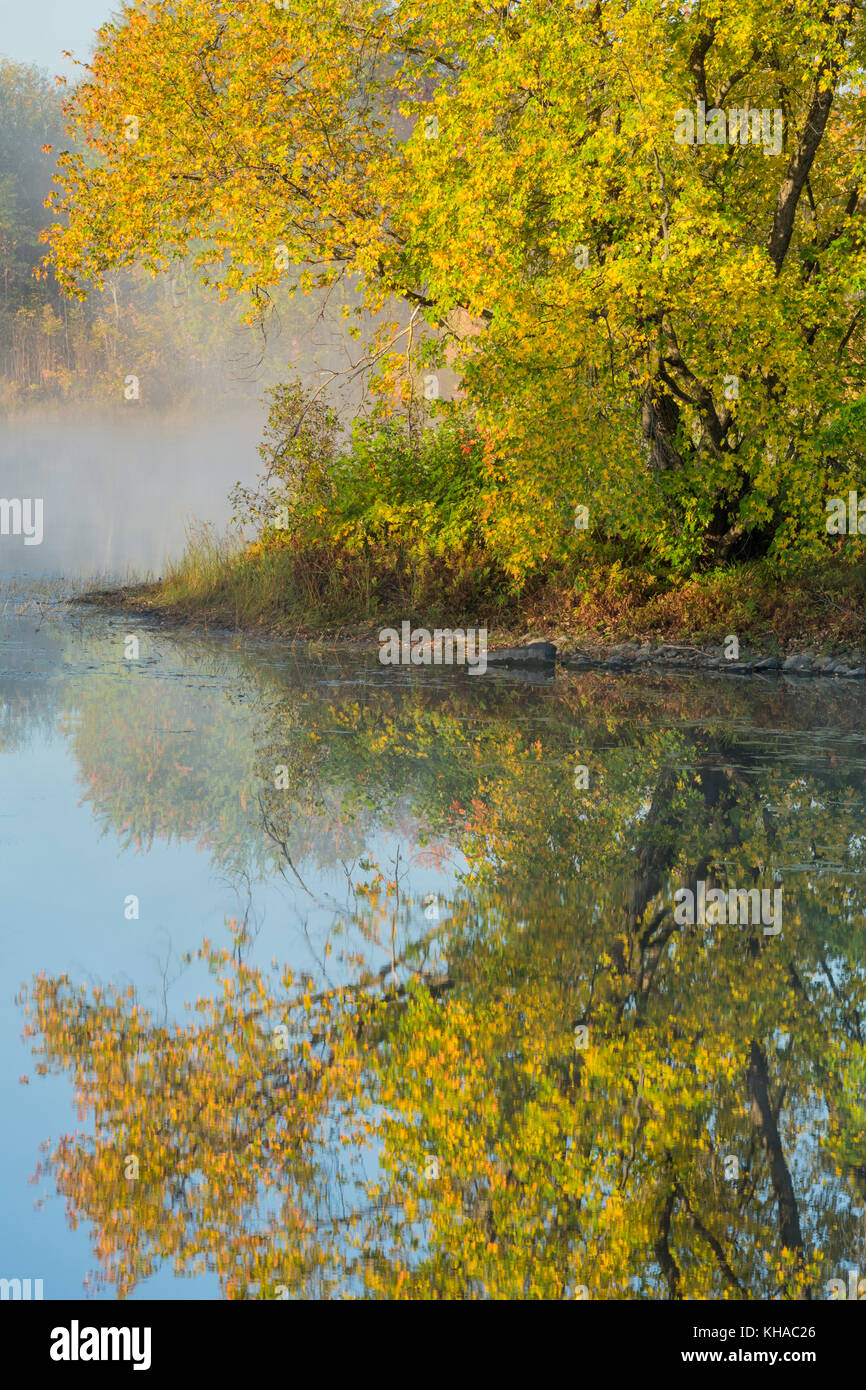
{"type": "Point", "coordinates": [179, 342]}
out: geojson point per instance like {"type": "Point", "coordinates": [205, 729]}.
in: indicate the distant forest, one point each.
{"type": "Point", "coordinates": [180, 343]}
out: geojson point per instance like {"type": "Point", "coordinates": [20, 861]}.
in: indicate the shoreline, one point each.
{"type": "Point", "coordinates": [509, 649]}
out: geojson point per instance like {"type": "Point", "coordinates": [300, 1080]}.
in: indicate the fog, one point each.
{"type": "Point", "coordinates": [119, 493]}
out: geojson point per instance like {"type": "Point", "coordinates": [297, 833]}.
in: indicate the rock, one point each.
{"type": "Point", "coordinates": [843, 668]}
{"type": "Point", "coordinates": [620, 656]}
{"type": "Point", "coordinates": [799, 661]}
{"type": "Point", "coordinates": [669, 655]}
{"type": "Point", "coordinates": [767, 663]}
{"type": "Point", "coordinates": [535, 654]}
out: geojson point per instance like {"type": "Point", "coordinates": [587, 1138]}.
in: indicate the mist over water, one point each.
{"type": "Point", "coordinates": [118, 494]}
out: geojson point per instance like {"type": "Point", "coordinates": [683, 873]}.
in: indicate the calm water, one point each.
{"type": "Point", "coordinates": [342, 979]}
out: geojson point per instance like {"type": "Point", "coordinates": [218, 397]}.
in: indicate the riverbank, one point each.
{"type": "Point", "coordinates": [810, 622]}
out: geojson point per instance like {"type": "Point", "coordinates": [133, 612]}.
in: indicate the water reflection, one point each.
{"type": "Point", "coordinates": [511, 1070]}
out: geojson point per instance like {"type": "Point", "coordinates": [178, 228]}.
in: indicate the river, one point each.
{"type": "Point", "coordinates": [323, 977]}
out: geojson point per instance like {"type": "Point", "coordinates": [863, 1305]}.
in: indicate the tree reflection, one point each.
{"type": "Point", "coordinates": [557, 1091]}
